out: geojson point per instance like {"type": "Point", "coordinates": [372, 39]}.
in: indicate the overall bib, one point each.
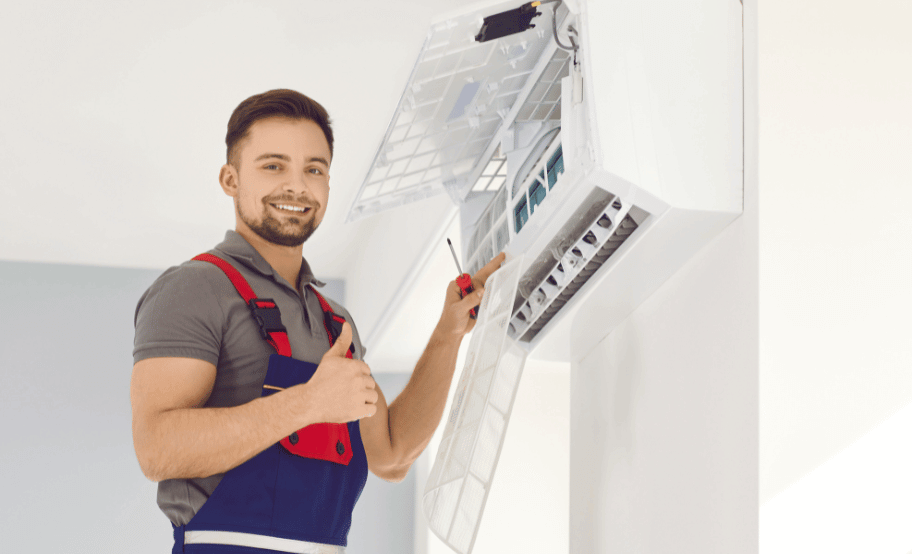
{"type": "Point", "coordinates": [298, 494]}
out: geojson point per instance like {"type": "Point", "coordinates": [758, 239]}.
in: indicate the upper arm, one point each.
{"type": "Point", "coordinates": [375, 434]}
{"type": "Point", "coordinates": [162, 384]}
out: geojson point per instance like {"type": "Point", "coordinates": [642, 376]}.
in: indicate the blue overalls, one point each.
{"type": "Point", "coordinates": [303, 488]}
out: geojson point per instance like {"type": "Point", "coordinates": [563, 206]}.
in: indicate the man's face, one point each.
{"type": "Point", "coordinates": [283, 180]}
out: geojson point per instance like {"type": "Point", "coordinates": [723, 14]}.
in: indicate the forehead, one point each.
{"type": "Point", "coordinates": [294, 137]}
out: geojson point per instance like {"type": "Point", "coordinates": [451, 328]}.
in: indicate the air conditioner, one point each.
{"type": "Point", "coordinates": [602, 140]}
{"type": "Point", "coordinates": [600, 145]}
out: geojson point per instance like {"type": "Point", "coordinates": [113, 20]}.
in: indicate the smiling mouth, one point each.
{"type": "Point", "coordinates": [287, 208]}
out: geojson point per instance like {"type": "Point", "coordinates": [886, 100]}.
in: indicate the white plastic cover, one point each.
{"type": "Point", "coordinates": [458, 97]}
{"type": "Point", "coordinates": [460, 480]}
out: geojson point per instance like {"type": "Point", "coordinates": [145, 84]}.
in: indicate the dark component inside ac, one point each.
{"type": "Point", "coordinates": [507, 23]}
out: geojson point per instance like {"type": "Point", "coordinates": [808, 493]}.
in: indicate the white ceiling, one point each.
{"type": "Point", "coordinates": [113, 120]}
{"type": "Point", "coordinates": [114, 116]}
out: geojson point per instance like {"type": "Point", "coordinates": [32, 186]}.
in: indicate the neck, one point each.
{"type": "Point", "coordinates": [285, 260]}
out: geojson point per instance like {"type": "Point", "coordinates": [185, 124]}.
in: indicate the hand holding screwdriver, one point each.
{"type": "Point", "coordinates": [464, 281]}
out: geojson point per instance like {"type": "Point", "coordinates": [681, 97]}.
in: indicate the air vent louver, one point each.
{"type": "Point", "coordinates": [544, 294]}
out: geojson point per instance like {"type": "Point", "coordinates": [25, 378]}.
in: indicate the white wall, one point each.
{"type": "Point", "coordinates": [836, 234]}
{"type": "Point", "coordinates": [664, 410]}
{"type": "Point", "coordinates": [835, 126]}
{"type": "Point", "coordinates": [664, 413]}
{"type": "Point", "coordinates": [835, 266]}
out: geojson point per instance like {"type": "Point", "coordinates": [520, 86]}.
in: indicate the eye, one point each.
{"type": "Point", "coordinates": [316, 171]}
{"type": "Point", "coordinates": [271, 166]}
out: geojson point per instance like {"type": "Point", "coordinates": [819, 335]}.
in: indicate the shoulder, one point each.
{"type": "Point", "coordinates": [189, 280]}
{"type": "Point", "coordinates": [181, 314]}
{"type": "Point", "coordinates": [195, 288]}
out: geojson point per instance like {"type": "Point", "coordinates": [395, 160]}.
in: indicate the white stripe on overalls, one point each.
{"type": "Point", "coordinates": [260, 541]}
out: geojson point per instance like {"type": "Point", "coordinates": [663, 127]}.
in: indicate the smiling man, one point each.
{"type": "Point", "coordinates": [285, 218]}
{"type": "Point", "coordinates": [252, 406]}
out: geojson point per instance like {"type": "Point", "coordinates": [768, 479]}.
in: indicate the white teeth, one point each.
{"type": "Point", "coordinates": [291, 208]}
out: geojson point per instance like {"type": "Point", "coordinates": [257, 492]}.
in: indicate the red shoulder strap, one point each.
{"type": "Point", "coordinates": [265, 310]}
{"type": "Point", "coordinates": [332, 322]}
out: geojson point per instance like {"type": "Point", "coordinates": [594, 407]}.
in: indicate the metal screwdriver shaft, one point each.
{"type": "Point", "coordinates": [455, 258]}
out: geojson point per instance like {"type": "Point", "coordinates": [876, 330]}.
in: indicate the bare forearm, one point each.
{"type": "Point", "coordinates": [417, 411]}
{"type": "Point", "coordinates": [199, 442]}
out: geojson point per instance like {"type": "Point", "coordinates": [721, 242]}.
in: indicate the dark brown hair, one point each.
{"type": "Point", "coordinates": [274, 103]}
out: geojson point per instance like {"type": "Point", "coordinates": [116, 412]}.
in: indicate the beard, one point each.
{"type": "Point", "coordinates": [293, 231]}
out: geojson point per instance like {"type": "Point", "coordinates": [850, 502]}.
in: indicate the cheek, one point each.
{"type": "Point", "coordinates": [322, 196]}
{"type": "Point", "coordinates": [249, 203]}
{"type": "Point", "coordinates": [322, 192]}
{"type": "Point", "coordinates": [251, 191]}
{"type": "Point", "coordinates": [245, 198]}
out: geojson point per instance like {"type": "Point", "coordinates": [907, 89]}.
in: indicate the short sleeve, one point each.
{"type": "Point", "coordinates": [180, 316]}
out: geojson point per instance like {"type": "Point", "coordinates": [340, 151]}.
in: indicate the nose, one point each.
{"type": "Point", "coordinates": [296, 183]}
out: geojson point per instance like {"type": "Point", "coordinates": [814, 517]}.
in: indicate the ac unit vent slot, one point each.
{"type": "Point", "coordinates": [591, 209]}
{"type": "Point", "coordinates": [525, 314]}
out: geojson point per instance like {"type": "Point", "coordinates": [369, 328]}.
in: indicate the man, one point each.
{"type": "Point", "coordinates": [260, 432]}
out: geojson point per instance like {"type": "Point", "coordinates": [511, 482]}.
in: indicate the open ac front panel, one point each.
{"type": "Point", "coordinates": [568, 218]}
{"type": "Point", "coordinates": [585, 159]}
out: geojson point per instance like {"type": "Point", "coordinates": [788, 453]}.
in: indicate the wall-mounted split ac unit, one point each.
{"type": "Point", "coordinates": [600, 144]}
{"type": "Point", "coordinates": [571, 142]}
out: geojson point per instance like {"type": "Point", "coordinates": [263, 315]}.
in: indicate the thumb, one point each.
{"type": "Point", "coordinates": [342, 343]}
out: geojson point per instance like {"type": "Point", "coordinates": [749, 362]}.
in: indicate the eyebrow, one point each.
{"type": "Point", "coordinates": [286, 158]}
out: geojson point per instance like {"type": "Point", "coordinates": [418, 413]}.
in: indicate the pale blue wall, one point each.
{"type": "Point", "coordinates": [69, 479]}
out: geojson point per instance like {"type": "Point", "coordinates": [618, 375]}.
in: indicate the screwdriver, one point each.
{"type": "Point", "coordinates": [464, 281]}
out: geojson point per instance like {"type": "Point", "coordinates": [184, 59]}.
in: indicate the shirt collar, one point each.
{"type": "Point", "coordinates": [238, 248]}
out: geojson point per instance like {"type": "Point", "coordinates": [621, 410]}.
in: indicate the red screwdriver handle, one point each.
{"type": "Point", "coordinates": [464, 282]}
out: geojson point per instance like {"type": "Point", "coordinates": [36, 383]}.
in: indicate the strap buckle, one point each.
{"type": "Point", "coordinates": [267, 317]}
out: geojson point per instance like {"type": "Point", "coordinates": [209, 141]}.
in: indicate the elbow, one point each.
{"type": "Point", "coordinates": [148, 456]}
{"type": "Point", "coordinates": [149, 468]}
{"type": "Point", "coordinates": [156, 459]}
{"type": "Point", "coordinates": [156, 466]}
{"type": "Point", "coordinates": [397, 471]}
{"type": "Point", "coordinates": [396, 475]}
{"type": "Point", "coordinates": [151, 476]}
{"type": "Point", "coordinates": [401, 473]}
{"type": "Point", "coordinates": [392, 473]}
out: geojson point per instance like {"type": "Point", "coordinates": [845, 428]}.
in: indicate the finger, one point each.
{"type": "Point", "coordinates": [454, 293]}
{"type": "Point", "coordinates": [482, 275]}
{"type": "Point", "coordinates": [471, 300]}
{"type": "Point", "coordinates": [342, 343]}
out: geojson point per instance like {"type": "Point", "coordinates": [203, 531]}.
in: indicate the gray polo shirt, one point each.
{"type": "Point", "coordinates": [193, 311]}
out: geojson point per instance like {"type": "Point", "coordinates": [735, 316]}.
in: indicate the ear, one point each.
{"type": "Point", "coordinates": [228, 178]}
